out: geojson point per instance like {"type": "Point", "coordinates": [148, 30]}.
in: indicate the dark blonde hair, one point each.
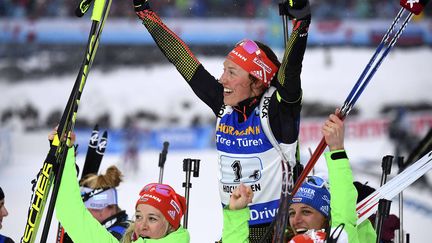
{"type": "Point", "coordinates": [110, 179]}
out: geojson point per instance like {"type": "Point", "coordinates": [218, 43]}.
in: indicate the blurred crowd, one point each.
{"type": "Point", "coordinates": [321, 9]}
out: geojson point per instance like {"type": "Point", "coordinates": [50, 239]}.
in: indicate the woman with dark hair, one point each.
{"type": "Point", "coordinates": [257, 101]}
{"type": "Point", "coordinates": [3, 213]}
{"type": "Point", "coordinates": [330, 209]}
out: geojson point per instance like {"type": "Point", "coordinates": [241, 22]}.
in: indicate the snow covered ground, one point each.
{"type": "Point", "coordinates": [403, 77]}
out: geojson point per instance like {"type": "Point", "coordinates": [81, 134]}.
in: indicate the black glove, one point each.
{"type": "Point", "coordinates": [140, 5]}
{"type": "Point", "coordinates": [297, 4]}
{"type": "Point", "coordinates": [296, 9]}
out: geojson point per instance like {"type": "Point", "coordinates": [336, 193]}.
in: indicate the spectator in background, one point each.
{"type": "Point", "coordinates": [3, 214]}
{"type": "Point", "coordinates": [323, 9]}
{"type": "Point", "coordinates": [400, 133]}
{"type": "Point", "coordinates": [131, 140]}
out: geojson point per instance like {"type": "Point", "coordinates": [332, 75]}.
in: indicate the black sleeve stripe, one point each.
{"type": "Point", "coordinates": [339, 155]}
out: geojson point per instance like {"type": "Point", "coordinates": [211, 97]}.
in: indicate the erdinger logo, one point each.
{"type": "Point", "coordinates": [260, 63]}
{"type": "Point", "coordinates": [175, 206]}
{"type": "Point", "coordinates": [306, 192]}
{"type": "Point", "coordinates": [239, 55]}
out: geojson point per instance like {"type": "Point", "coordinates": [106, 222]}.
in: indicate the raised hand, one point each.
{"type": "Point", "coordinates": [297, 4]}
{"type": "Point", "coordinates": [333, 132]}
{"type": "Point", "coordinates": [140, 5]}
{"type": "Point", "coordinates": [241, 197]}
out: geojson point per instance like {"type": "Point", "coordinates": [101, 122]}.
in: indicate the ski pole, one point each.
{"type": "Point", "coordinates": [189, 166]}
{"type": "Point", "coordinates": [162, 158]}
{"type": "Point", "coordinates": [383, 212]}
{"type": "Point", "coordinates": [284, 13]}
{"type": "Point", "coordinates": [360, 85]}
{"type": "Point", "coordinates": [386, 168]}
{"type": "Point", "coordinates": [401, 234]}
{"type": "Point", "coordinates": [384, 205]}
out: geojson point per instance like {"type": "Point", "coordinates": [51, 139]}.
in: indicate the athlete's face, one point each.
{"type": "Point", "coordinates": [150, 222]}
{"type": "Point", "coordinates": [236, 83]}
{"type": "Point", "coordinates": [3, 212]}
{"type": "Point", "coordinates": [102, 214]}
{"type": "Point", "coordinates": [303, 217]}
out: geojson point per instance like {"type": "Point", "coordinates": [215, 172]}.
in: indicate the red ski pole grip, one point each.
{"type": "Point", "coordinates": [414, 6]}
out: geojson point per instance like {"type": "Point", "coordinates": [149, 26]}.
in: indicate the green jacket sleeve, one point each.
{"type": "Point", "coordinates": [71, 212]}
{"type": "Point", "coordinates": [343, 200]}
{"type": "Point", "coordinates": [236, 226]}
{"type": "Point", "coordinates": [343, 193]}
{"type": "Point", "coordinates": [366, 232]}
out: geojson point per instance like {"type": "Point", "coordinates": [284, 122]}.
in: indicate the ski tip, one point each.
{"type": "Point", "coordinates": [414, 6]}
{"type": "Point", "coordinates": [105, 135]}
{"type": "Point", "coordinates": [96, 127]}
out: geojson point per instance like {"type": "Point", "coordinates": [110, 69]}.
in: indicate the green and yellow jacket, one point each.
{"type": "Point", "coordinates": [78, 222]}
{"type": "Point", "coordinates": [343, 200]}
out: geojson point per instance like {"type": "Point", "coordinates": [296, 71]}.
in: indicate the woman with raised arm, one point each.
{"type": "Point", "coordinates": [247, 131]}
{"type": "Point", "coordinates": [330, 209]}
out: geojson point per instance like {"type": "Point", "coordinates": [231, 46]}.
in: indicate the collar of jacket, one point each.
{"type": "Point", "coordinates": [245, 107]}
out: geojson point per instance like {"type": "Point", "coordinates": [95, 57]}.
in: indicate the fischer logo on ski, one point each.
{"type": "Point", "coordinates": [38, 201]}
